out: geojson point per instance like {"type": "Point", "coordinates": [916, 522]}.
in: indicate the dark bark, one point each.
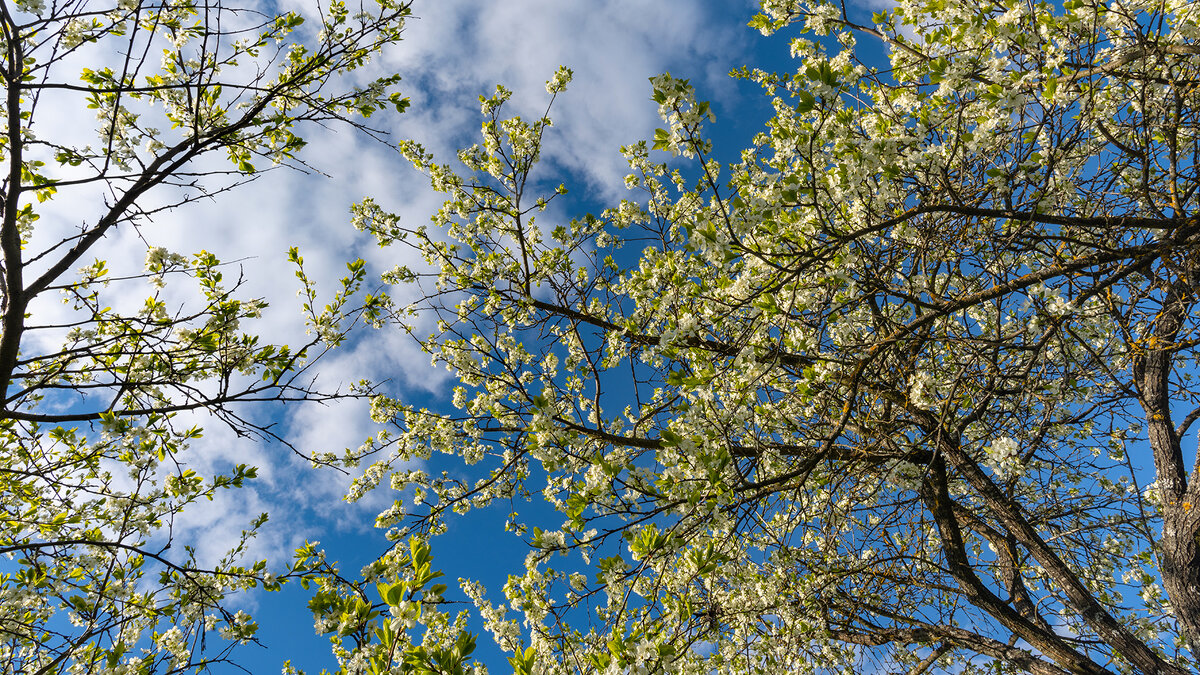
{"type": "Point", "coordinates": [15, 300]}
{"type": "Point", "coordinates": [1179, 549]}
{"type": "Point", "coordinates": [1076, 594]}
{"type": "Point", "coordinates": [935, 494]}
{"type": "Point", "coordinates": [951, 637]}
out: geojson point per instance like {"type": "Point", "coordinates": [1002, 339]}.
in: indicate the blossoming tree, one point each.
{"type": "Point", "coordinates": [906, 388]}
{"type": "Point", "coordinates": [172, 101]}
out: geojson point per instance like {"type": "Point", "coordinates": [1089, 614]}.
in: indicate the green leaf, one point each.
{"type": "Point", "coordinates": [806, 101]}
{"type": "Point", "coordinates": [662, 139]}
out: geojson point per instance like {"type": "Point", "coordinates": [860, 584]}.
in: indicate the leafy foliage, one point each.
{"type": "Point", "coordinates": [366, 640]}
{"type": "Point", "coordinates": [883, 394]}
{"type": "Point", "coordinates": [93, 456]}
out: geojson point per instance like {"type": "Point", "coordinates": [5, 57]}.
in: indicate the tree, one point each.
{"type": "Point", "coordinates": [93, 466]}
{"type": "Point", "coordinates": [906, 387]}
{"type": "Point", "coordinates": [372, 622]}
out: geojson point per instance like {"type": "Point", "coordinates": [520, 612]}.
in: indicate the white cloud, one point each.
{"type": "Point", "coordinates": [450, 55]}
{"type": "Point", "coordinates": [456, 51]}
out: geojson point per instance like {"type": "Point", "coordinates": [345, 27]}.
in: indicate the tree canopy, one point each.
{"type": "Point", "coordinates": [907, 387]}
{"type": "Point", "coordinates": [188, 99]}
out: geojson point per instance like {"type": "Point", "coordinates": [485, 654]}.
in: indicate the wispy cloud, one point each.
{"type": "Point", "coordinates": [459, 50]}
{"type": "Point", "coordinates": [451, 54]}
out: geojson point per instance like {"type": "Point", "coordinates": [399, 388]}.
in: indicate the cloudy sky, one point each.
{"type": "Point", "coordinates": [453, 51]}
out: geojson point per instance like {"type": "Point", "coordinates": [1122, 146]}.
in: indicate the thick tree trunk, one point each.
{"type": "Point", "coordinates": [12, 323]}
{"type": "Point", "coordinates": [1179, 549]}
{"type": "Point", "coordinates": [1180, 565]}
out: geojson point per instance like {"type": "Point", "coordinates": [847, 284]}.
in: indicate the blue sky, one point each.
{"type": "Point", "coordinates": [453, 51]}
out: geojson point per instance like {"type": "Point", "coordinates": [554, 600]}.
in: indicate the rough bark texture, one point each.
{"type": "Point", "coordinates": [1180, 546]}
